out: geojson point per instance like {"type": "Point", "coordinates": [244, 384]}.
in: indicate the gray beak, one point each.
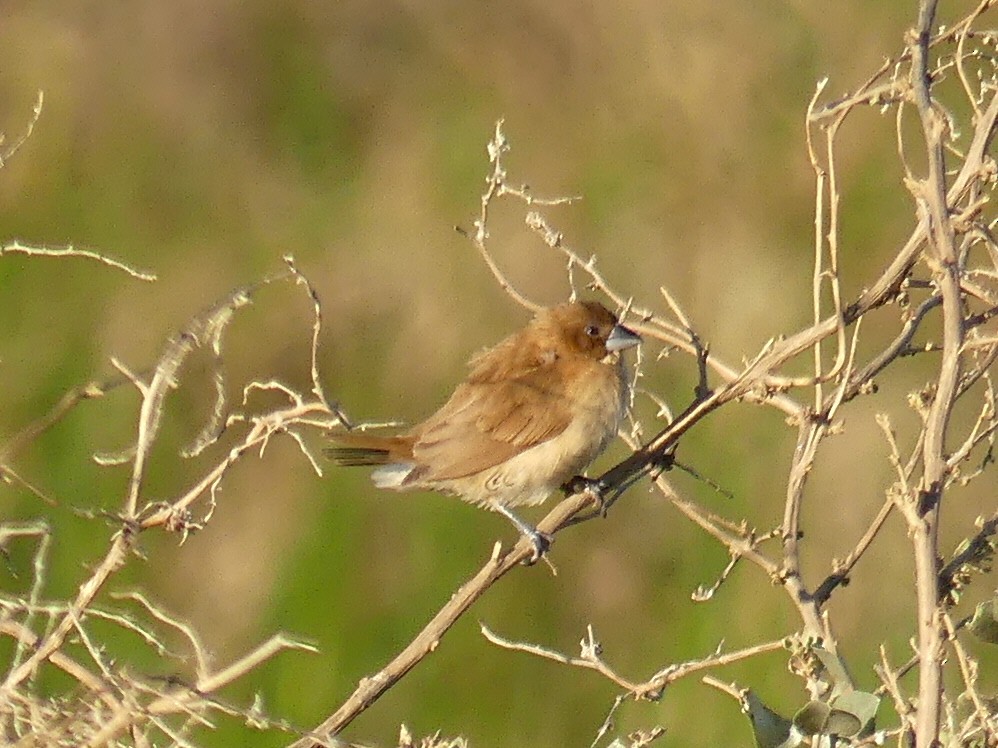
{"type": "Point", "coordinates": [621, 338]}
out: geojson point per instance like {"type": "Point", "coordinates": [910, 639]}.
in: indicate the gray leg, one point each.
{"type": "Point", "coordinates": [539, 540]}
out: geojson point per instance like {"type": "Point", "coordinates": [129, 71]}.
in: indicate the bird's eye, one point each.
{"type": "Point", "coordinates": [592, 331]}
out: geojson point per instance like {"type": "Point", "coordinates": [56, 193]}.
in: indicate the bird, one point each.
{"type": "Point", "coordinates": [534, 411]}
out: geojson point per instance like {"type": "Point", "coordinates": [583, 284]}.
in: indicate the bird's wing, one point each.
{"type": "Point", "coordinates": [486, 423]}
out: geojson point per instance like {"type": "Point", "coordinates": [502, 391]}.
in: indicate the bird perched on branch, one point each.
{"type": "Point", "coordinates": [535, 410]}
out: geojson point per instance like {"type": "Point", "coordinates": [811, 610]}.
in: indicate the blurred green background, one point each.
{"type": "Point", "coordinates": [203, 140]}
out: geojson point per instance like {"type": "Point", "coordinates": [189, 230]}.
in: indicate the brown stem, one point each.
{"type": "Point", "coordinates": [932, 196]}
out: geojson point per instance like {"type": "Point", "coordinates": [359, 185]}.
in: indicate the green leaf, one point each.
{"type": "Point", "coordinates": [842, 724]}
{"type": "Point", "coordinates": [812, 717]}
{"type": "Point", "coordinates": [769, 728]}
{"type": "Point", "coordinates": [838, 676]}
{"type": "Point", "coordinates": [984, 624]}
{"type": "Point", "coordinates": [861, 708]}
{"type": "Point", "coordinates": [847, 715]}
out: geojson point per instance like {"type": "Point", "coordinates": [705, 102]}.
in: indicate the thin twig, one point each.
{"type": "Point", "coordinates": [16, 247]}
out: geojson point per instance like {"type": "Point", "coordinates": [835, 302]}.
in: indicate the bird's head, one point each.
{"type": "Point", "coordinates": [587, 328]}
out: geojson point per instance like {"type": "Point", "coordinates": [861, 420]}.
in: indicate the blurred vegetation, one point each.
{"type": "Point", "coordinates": [204, 140]}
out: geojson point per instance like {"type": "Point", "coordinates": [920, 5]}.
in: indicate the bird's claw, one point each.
{"type": "Point", "coordinates": [663, 460]}
{"type": "Point", "coordinates": [541, 541]}
{"type": "Point", "coordinates": [593, 487]}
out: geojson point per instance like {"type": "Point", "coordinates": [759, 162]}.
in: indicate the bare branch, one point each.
{"type": "Point", "coordinates": [17, 247]}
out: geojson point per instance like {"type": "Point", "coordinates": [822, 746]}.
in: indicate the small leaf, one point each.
{"type": "Point", "coordinates": [860, 706]}
{"type": "Point", "coordinates": [842, 724]}
{"type": "Point", "coordinates": [838, 676]}
{"type": "Point", "coordinates": [812, 717]}
{"type": "Point", "coordinates": [769, 728]}
{"type": "Point", "coordinates": [984, 624]}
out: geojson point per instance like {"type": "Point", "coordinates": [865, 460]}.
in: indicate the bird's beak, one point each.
{"type": "Point", "coordinates": [621, 338]}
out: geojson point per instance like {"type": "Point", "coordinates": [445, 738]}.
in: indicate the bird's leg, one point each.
{"type": "Point", "coordinates": [594, 487]}
{"type": "Point", "coordinates": [538, 539]}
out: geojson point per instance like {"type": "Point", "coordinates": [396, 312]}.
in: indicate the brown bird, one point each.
{"type": "Point", "coordinates": [535, 410]}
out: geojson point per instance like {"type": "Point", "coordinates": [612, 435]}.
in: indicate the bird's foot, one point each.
{"type": "Point", "coordinates": [663, 461]}
{"type": "Point", "coordinates": [541, 541]}
{"type": "Point", "coordinates": [593, 487]}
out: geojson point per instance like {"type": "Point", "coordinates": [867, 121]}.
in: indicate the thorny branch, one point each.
{"type": "Point", "coordinates": [132, 704]}
{"type": "Point", "coordinates": [761, 380]}
{"type": "Point", "coordinates": [590, 658]}
{"type": "Point", "coordinates": [952, 243]}
{"type": "Point", "coordinates": [932, 200]}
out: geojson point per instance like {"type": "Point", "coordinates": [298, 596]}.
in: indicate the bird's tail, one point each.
{"type": "Point", "coordinates": [356, 456]}
{"type": "Point", "coordinates": [357, 449]}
